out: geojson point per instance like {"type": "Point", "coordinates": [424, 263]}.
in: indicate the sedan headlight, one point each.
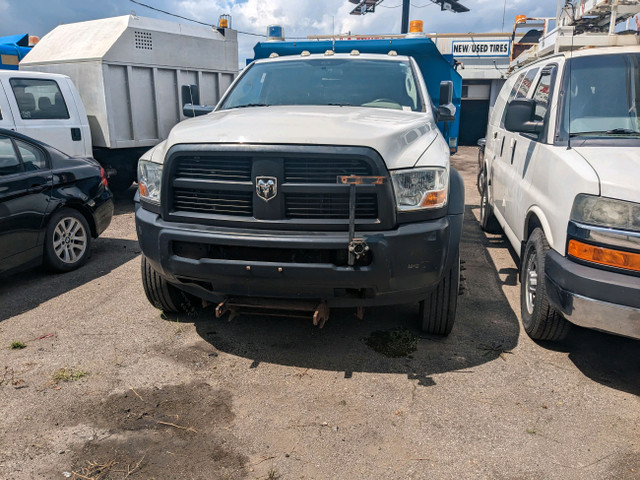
{"type": "Point", "coordinates": [420, 188]}
{"type": "Point", "coordinates": [149, 180]}
{"type": "Point", "coordinates": [606, 212]}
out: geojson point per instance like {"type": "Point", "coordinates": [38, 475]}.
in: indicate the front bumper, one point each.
{"type": "Point", "coordinates": [406, 263]}
{"type": "Point", "coordinates": [592, 297]}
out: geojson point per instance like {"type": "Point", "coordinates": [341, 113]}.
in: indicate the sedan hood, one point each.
{"type": "Point", "coordinates": [618, 169]}
{"type": "Point", "coordinates": [400, 137]}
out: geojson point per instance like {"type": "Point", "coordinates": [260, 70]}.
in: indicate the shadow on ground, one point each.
{"type": "Point", "coordinates": [485, 327]}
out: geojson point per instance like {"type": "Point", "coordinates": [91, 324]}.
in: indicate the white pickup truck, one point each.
{"type": "Point", "coordinates": [319, 181]}
{"type": "Point", "coordinates": [561, 177]}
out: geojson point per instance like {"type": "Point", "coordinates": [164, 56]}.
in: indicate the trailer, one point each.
{"type": "Point", "coordinates": [434, 67]}
{"type": "Point", "coordinates": [129, 71]}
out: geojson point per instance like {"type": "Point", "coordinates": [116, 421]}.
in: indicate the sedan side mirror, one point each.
{"type": "Point", "coordinates": [520, 116]}
{"type": "Point", "coordinates": [446, 111]}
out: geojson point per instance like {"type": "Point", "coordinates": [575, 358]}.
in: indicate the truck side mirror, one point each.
{"type": "Point", "coordinates": [191, 110]}
{"type": "Point", "coordinates": [190, 94]}
{"type": "Point", "coordinates": [519, 116]}
{"type": "Point", "coordinates": [446, 111]}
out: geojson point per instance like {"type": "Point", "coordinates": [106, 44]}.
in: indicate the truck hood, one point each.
{"type": "Point", "coordinates": [400, 137]}
{"type": "Point", "coordinates": [618, 169]}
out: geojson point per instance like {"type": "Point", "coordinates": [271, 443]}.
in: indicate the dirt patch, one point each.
{"type": "Point", "coordinates": [180, 431]}
{"type": "Point", "coordinates": [394, 343]}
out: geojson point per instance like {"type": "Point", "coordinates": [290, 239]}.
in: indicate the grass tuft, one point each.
{"type": "Point", "coordinates": [69, 375]}
{"type": "Point", "coordinates": [17, 345]}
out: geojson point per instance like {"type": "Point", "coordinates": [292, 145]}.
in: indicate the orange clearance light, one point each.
{"type": "Point", "coordinates": [143, 190]}
{"type": "Point", "coordinates": [224, 23]}
{"type": "Point", "coordinates": [604, 256]}
{"type": "Point", "coordinates": [33, 40]}
{"type": "Point", "coordinates": [434, 198]}
{"type": "Point", "coordinates": [521, 18]}
{"type": "Point", "coordinates": [415, 26]}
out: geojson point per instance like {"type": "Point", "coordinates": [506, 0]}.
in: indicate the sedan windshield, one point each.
{"type": "Point", "coordinates": [603, 97]}
{"type": "Point", "coordinates": [335, 81]}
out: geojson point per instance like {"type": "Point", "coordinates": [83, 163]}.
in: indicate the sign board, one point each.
{"type": "Point", "coordinates": [483, 48]}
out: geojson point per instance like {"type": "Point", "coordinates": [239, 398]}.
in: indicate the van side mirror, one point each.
{"type": "Point", "coordinates": [520, 116]}
{"type": "Point", "coordinates": [446, 111]}
{"type": "Point", "coordinates": [190, 110]}
{"type": "Point", "coordinates": [190, 94]}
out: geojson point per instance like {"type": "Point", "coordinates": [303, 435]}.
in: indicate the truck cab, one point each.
{"type": "Point", "coordinates": [560, 178]}
{"type": "Point", "coordinates": [47, 107]}
{"type": "Point", "coordinates": [309, 187]}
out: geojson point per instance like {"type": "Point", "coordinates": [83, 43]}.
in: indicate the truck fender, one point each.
{"type": "Point", "coordinates": [456, 193]}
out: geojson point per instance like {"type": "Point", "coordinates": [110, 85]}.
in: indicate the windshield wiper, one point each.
{"type": "Point", "coordinates": [342, 104]}
{"type": "Point", "coordinates": [245, 105]}
{"type": "Point", "coordinates": [613, 131]}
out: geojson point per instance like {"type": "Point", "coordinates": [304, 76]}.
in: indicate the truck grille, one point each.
{"type": "Point", "coordinates": [336, 206]}
{"type": "Point", "coordinates": [213, 202]}
{"type": "Point", "coordinates": [218, 184]}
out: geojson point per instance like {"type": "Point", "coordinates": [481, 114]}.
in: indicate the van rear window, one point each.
{"type": "Point", "coordinates": [39, 99]}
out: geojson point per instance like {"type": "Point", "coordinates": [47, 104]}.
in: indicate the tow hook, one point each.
{"type": "Point", "coordinates": [358, 247]}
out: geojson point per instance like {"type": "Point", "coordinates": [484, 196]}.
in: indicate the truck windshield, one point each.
{"type": "Point", "coordinates": [603, 97]}
{"type": "Point", "coordinates": [335, 81]}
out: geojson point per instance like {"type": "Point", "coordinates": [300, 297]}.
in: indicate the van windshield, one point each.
{"type": "Point", "coordinates": [603, 96]}
{"type": "Point", "coordinates": [333, 81]}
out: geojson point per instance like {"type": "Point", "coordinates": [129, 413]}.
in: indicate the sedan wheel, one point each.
{"type": "Point", "coordinates": [68, 240]}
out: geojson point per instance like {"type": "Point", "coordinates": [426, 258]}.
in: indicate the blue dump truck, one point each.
{"type": "Point", "coordinates": [435, 67]}
{"type": "Point", "coordinates": [13, 49]}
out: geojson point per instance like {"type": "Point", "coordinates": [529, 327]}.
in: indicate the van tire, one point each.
{"type": "Point", "coordinates": [163, 295]}
{"type": "Point", "coordinates": [67, 241]}
{"type": "Point", "coordinates": [540, 320]}
{"type": "Point", "coordinates": [438, 311]}
{"type": "Point", "coordinates": [488, 221]}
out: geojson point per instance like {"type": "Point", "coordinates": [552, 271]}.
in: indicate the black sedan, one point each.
{"type": "Point", "coordinates": [51, 205]}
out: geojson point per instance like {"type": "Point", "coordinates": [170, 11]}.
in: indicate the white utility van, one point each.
{"type": "Point", "coordinates": [47, 107]}
{"type": "Point", "coordinates": [561, 177]}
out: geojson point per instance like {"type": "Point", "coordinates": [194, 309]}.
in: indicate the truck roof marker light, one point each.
{"type": "Point", "coordinates": [392, 53]}
{"type": "Point", "coordinates": [305, 53]}
{"type": "Point", "coordinates": [521, 19]}
{"type": "Point", "coordinates": [273, 55]}
{"type": "Point", "coordinates": [329, 53]}
{"type": "Point", "coordinates": [33, 39]}
{"type": "Point", "coordinates": [224, 21]}
{"type": "Point", "coordinates": [275, 33]}
{"type": "Point", "coordinates": [604, 256]}
{"type": "Point", "coordinates": [354, 53]}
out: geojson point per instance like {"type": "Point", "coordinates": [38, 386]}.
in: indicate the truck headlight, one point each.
{"type": "Point", "coordinates": [420, 188]}
{"type": "Point", "coordinates": [606, 212]}
{"type": "Point", "coordinates": [149, 180]}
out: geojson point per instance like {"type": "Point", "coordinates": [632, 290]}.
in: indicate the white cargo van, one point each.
{"type": "Point", "coordinates": [561, 177]}
{"type": "Point", "coordinates": [46, 107]}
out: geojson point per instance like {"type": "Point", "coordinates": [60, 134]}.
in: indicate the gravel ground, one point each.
{"type": "Point", "coordinates": [109, 388]}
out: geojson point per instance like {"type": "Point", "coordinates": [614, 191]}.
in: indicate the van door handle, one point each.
{"type": "Point", "coordinates": [513, 151]}
{"type": "Point", "coordinates": [76, 134]}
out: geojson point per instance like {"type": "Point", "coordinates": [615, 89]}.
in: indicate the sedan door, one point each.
{"type": "Point", "coordinates": [25, 190]}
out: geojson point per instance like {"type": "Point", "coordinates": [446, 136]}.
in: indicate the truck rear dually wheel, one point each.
{"type": "Point", "coordinates": [163, 295]}
{"type": "Point", "coordinates": [438, 311]}
{"type": "Point", "coordinates": [539, 319]}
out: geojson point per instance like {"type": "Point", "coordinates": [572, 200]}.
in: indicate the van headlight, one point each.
{"type": "Point", "coordinates": [420, 188]}
{"type": "Point", "coordinates": [606, 212]}
{"type": "Point", "coordinates": [149, 180]}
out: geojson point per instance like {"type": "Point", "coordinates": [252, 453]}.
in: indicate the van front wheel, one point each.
{"type": "Point", "coordinates": [539, 319]}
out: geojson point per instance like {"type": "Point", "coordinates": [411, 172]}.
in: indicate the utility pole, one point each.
{"type": "Point", "coordinates": [405, 15]}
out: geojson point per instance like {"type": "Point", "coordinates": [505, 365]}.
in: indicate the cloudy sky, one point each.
{"type": "Point", "coordinates": [299, 17]}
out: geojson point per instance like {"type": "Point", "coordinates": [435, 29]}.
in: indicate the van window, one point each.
{"type": "Point", "coordinates": [32, 157]}
{"type": "Point", "coordinates": [39, 99]}
{"type": "Point", "coordinates": [9, 162]}
{"type": "Point", "coordinates": [541, 96]}
{"type": "Point", "coordinates": [520, 89]}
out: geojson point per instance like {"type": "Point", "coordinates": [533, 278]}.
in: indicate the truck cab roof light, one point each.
{"type": "Point", "coordinates": [273, 55]}
{"type": "Point", "coordinates": [416, 26]}
{"type": "Point", "coordinates": [275, 33]}
{"type": "Point", "coordinates": [329, 53]}
{"type": "Point", "coordinates": [305, 53]}
{"type": "Point", "coordinates": [392, 53]}
{"type": "Point", "coordinates": [354, 53]}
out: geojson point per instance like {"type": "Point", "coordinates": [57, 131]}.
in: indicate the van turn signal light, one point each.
{"type": "Point", "coordinates": [604, 256]}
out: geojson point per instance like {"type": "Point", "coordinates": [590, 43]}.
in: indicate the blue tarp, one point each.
{"type": "Point", "coordinates": [13, 48]}
{"type": "Point", "coordinates": [434, 66]}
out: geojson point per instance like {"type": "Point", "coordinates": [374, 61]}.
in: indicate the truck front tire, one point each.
{"type": "Point", "coordinates": [438, 311]}
{"type": "Point", "coordinates": [163, 295]}
{"type": "Point", "coordinates": [539, 319]}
